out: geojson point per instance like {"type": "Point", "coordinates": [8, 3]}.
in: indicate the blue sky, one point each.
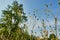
{"type": "Point", "coordinates": [39, 5]}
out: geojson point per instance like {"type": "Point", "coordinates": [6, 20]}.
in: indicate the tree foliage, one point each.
{"type": "Point", "coordinates": [13, 16]}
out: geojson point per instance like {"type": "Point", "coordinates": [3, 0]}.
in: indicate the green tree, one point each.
{"type": "Point", "coordinates": [52, 36]}
{"type": "Point", "coordinates": [12, 17]}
